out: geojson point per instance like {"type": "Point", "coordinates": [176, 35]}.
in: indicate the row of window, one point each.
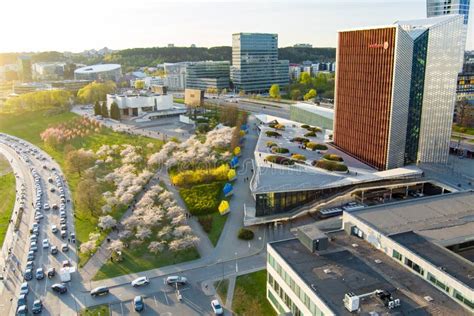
{"type": "Point", "coordinates": [282, 294]}
{"type": "Point", "coordinates": [303, 297]}
{"type": "Point", "coordinates": [433, 279]}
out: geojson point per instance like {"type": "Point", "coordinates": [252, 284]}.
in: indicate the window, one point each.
{"type": "Point", "coordinates": [464, 300]}
{"type": "Point", "coordinates": [436, 282]}
{"type": "Point", "coordinates": [397, 255]}
{"type": "Point", "coordinates": [414, 266]}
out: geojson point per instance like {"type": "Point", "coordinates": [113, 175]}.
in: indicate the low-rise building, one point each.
{"type": "Point", "coordinates": [99, 72]}
{"type": "Point", "coordinates": [48, 71]}
{"type": "Point", "coordinates": [312, 114]}
{"type": "Point", "coordinates": [138, 103]}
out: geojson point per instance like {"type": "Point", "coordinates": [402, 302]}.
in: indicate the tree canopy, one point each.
{"type": "Point", "coordinates": [37, 100]}
{"type": "Point", "coordinates": [95, 91]}
{"type": "Point", "coordinates": [275, 91]}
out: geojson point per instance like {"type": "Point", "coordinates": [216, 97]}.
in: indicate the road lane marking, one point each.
{"type": "Point", "coordinates": [166, 298]}
{"type": "Point", "coordinates": [154, 298]}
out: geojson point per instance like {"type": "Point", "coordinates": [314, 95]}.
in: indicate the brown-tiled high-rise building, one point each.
{"type": "Point", "coordinates": [373, 75]}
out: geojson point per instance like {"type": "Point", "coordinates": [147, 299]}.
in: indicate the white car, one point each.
{"type": "Point", "coordinates": [217, 308]}
{"type": "Point", "coordinates": [140, 281]}
{"type": "Point", "coordinates": [54, 229]}
{"type": "Point", "coordinates": [174, 279]}
{"type": "Point", "coordinates": [45, 243]}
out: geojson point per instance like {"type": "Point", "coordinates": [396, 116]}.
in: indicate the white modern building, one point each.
{"type": "Point", "coordinates": [99, 72]}
{"type": "Point", "coordinates": [135, 104]}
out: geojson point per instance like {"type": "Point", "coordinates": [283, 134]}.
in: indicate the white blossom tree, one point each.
{"type": "Point", "coordinates": [106, 222]}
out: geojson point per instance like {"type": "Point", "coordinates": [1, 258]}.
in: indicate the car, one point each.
{"type": "Point", "coordinates": [73, 237]}
{"type": "Point", "coordinates": [54, 229]}
{"type": "Point", "coordinates": [64, 247]}
{"type": "Point", "coordinates": [138, 303]}
{"type": "Point", "coordinates": [35, 225]}
{"type": "Point", "coordinates": [30, 264]}
{"type": "Point", "coordinates": [33, 246]}
{"type": "Point", "coordinates": [217, 308]}
{"type": "Point", "coordinates": [21, 300]}
{"type": "Point", "coordinates": [45, 243]}
{"type": "Point", "coordinates": [63, 233]}
{"type": "Point", "coordinates": [31, 255]}
{"type": "Point", "coordinates": [66, 263]}
{"type": "Point", "coordinates": [33, 238]}
{"type": "Point", "coordinates": [46, 207]}
{"type": "Point", "coordinates": [63, 221]}
{"type": "Point", "coordinates": [22, 310]}
{"type": "Point", "coordinates": [37, 307]}
{"type": "Point", "coordinates": [51, 272]}
{"type": "Point", "coordinates": [60, 288]}
{"type": "Point", "coordinates": [39, 274]}
{"type": "Point", "coordinates": [176, 280]}
{"type": "Point", "coordinates": [28, 275]}
{"type": "Point", "coordinates": [99, 291]}
{"type": "Point", "coordinates": [24, 289]}
{"type": "Point", "coordinates": [54, 250]}
{"type": "Point", "coordinates": [140, 281]}
{"type": "Point", "coordinates": [36, 231]}
{"type": "Point", "coordinates": [62, 214]}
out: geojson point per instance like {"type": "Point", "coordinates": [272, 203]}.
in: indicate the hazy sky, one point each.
{"type": "Point", "coordinates": [75, 25]}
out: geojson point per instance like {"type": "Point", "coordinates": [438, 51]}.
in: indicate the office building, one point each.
{"type": "Point", "coordinates": [398, 107]}
{"type": "Point", "coordinates": [24, 68]}
{"type": "Point", "coordinates": [9, 72]}
{"type": "Point", "coordinates": [102, 72]}
{"type": "Point", "coordinates": [442, 7]}
{"type": "Point", "coordinates": [255, 64]}
{"type": "Point", "coordinates": [208, 74]}
{"type": "Point", "coordinates": [175, 76]}
{"type": "Point", "coordinates": [48, 71]}
{"type": "Point", "coordinates": [414, 257]}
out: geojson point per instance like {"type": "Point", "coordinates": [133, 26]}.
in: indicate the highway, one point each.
{"type": "Point", "coordinates": [27, 160]}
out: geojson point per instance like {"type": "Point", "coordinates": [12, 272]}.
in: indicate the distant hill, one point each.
{"type": "Point", "coordinates": [136, 57]}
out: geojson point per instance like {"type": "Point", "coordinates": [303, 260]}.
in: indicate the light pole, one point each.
{"type": "Point", "coordinates": [236, 266]}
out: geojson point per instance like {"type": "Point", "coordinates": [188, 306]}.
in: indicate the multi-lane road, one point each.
{"type": "Point", "coordinates": [42, 193]}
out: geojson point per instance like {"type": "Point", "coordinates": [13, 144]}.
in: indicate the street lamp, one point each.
{"type": "Point", "coordinates": [236, 266]}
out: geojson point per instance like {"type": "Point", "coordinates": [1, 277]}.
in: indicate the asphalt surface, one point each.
{"type": "Point", "coordinates": [25, 158]}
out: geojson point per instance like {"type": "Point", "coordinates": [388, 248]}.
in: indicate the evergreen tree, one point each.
{"type": "Point", "coordinates": [97, 108]}
{"type": "Point", "coordinates": [105, 111]}
{"type": "Point", "coordinates": [114, 111]}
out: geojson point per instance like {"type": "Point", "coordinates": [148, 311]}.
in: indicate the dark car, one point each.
{"type": "Point", "coordinates": [28, 275]}
{"type": "Point", "coordinates": [37, 307]}
{"type": "Point", "coordinates": [60, 288]}
{"type": "Point", "coordinates": [51, 272]}
{"type": "Point", "coordinates": [101, 290]}
{"type": "Point", "coordinates": [138, 303]}
{"type": "Point", "coordinates": [21, 300]}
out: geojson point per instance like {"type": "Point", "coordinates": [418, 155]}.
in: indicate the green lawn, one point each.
{"type": "Point", "coordinates": [140, 259]}
{"type": "Point", "coordinates": [7, 198]}
{"type": "Point", "coordinates": [218, 222]}
{"type": "Point", "coordinates": [250, 295]}
{"type": "Point", "coordinates": [29, 126]}
{"type": "Point", "coordinates": [222, 287]}
{"type": "Point", "coordinates": [178, 100]}
{"type": "Point", "coordinates": [464, 130]}
{"type": "Point", "coordinates": [4, 165]}
{"type": "Point", "coordinates": [99, 310]}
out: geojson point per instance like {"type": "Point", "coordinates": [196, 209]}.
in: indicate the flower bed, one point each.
{"type": "Point", "coordinates": [280, 160]}
{"type": "Point", "coordinates": [202, 199]}
{"type": "Point", "coordinates": [272, 134]}
{"type": "Point", "coordinates": [310, 134]}
{"type": "Point", "coordinates": [333, 157]}
{"type": "Point", "coordinates": [300, 140]}
{"type": "Point", "coordinates": [298, 157]}
{"type": "Point", "coordinates": [313, 129]}
{"type": "Point", "coordinates": [315, 146]}
{"type": "Point", "coordinates": [270, 144]}
{"type": "Point", "coordinates": [280, 150]}
{"type": "Point", "coordinates": [330, 165]}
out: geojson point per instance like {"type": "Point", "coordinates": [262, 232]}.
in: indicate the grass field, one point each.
{"type": "Point", "coordinates": [99, 310]}
{"type": "Point", "coordinates": [29, 126]}
{"type": "Point", "coordinates": [464, 130]}
{"type": "Point", "coordinates": [250, 295]}
{"type": "Point", "coordinates": [218, 222]}
{"type": "Point", "coordinates": [222, 287]}
{"type": "Point", "coordinates": [4, 165]}
{"type": "Point", "coordinates": [140, 259]}
{"type": "Point", "coordinates": [7, 202]}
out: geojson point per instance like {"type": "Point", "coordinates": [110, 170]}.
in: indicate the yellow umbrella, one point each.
{"type": "Point", "coordinates": [231, 175]}
{"type": "Point", "coordinates": [224, 207]}
{"type": "Point", "coordinates": [237, 151]}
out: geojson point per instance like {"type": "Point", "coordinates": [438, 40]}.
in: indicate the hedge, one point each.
{"type": "Point", "coordinates": [280, 150]}
{"type": "Point", "coordinates": [280, 160]}
{"type": "Point", "coordinates": [272, 134]}
{"type": "Point", "coordinates": [316, 146]}
{"type": "Point", "coordinates": [270, 144]}
{"type": "Point", "coordinates": [245, 234]}
{"type": "Point", "coordinates": [305, 126]}
{"type": "Point", "coordinates": [314, 129]}
{"type": "Point", "coordinates": [300, 140]}
{"type": "Point", "coordinates": [310, 134]}
{"type": "Point", "coordinates": [333, 157]}
{"type": "Point", "coordinates": [330, 165]}
{"type": "Point", "coordinates": [202, 199]}
{"type": "Point", "coordinates": [298, 157]}
{"type": "Point", "coordinates": [200, 176]}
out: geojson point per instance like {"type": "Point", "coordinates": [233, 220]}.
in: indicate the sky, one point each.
{"type": "Point", "coordinates": [76, 25]}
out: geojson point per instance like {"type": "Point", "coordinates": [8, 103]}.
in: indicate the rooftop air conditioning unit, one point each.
{"type": "Point", "coordinates": [351, 302]}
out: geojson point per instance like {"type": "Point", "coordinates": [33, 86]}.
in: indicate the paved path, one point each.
{"type": "Point", "coordinates": [230, 292]}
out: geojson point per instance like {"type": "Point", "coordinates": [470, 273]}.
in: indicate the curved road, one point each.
{"type": "Point", "coordinates": [25, 159]}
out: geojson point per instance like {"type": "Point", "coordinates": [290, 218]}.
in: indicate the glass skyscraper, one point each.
{"type": "Point", "coordinates": [444, 7]}
{"type": "Point", "coordinates": [208, 74]}
{"type": "Point", "coordinates": [255, 64]}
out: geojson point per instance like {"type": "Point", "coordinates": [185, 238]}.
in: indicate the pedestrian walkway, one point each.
{"type": "Point", "coordinates": [230, 292]}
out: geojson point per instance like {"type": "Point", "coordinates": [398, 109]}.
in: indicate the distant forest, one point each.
{"type": "Point", "coordinates": [149, 57]}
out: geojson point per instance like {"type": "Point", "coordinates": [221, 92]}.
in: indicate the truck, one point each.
{"type": "Point", "coordinates": [65, 274]}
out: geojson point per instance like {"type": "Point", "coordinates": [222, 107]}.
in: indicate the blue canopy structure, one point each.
{"type": "Point", "coordinates": [227, 189]}
{"type": "Point", "coordinates": [234, 162]}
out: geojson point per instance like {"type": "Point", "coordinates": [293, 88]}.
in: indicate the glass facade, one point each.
{"type": "Point", "coordinates": [255, 64]}
{"type": "Point", "coordinates": [416, 97]}
{"type": "Point", "coordinates": [208, 74]}
{"type": "Point", "coordinates": [444, 7]}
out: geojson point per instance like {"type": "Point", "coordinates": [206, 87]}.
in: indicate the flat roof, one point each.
{"type": "Point", "coordinates": [313, 108]}
{"type": "Point", "coordinates": [423, 214]}
{"type": "Point", "coordinates": [97, 68]}
{"type": "Point", "coordinates": [343, 268]}
{"type": "Point", "coordinates": [445, 260]}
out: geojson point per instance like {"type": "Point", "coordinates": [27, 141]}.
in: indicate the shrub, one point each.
{"type": "Point", "coordinates": [314, 129]}
{"type": "Point", "coordinates": [245, 234]}
{"type": "Point", "coordinates": [298, 157]}
{"type": "Point", "coordinates": [333, 157]}
{"type": "Point", "coordinates": [280, 150]}
{"type": "Point", "coordinates": [316, 146]}
{"type": "Point", "coordinates": [206, 222]}
{"type": "Point", "coordinates": [305, 126]}
{"type": "Point", "coordinates": [278, 126]}
{"type": "Point", "coordinates": [270, 144]}
{"type": "Point", "coordinates": [200, 176]}
{"type": "Point", "coordinates": [202, 199]}
{"type": "Point", "coordinates": [330, 165]}
{"type": "Point", "coordinates": [300, 140]}
{"type": "Point", "coordinates": [280, 160]}
{"type": "Point", "coordinates": [310, 134]}
{"type": "Point", "coordinates": [272, 134]}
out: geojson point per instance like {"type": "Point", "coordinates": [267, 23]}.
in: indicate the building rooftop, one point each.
{"type": "Point", "coordinates": [97, 68]}
{"type": "Point", "coordinates": [434, 214]}
{"type": "Point", "coordinates": [459, 268]}
{"type": "Point", "coordinates": [323, 111]}
{"type": "Point", "coordinates": [344, 268]}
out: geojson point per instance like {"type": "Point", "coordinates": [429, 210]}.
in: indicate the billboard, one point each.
{"type": "Point", "coordinates": [194, 97]}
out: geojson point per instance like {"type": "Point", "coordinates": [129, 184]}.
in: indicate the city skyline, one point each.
{"type": "Point", "coordinates": [203, 23]}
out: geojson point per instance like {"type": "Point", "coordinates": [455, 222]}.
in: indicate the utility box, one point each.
{"type": "Point", "coordinates": [312, 238]}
